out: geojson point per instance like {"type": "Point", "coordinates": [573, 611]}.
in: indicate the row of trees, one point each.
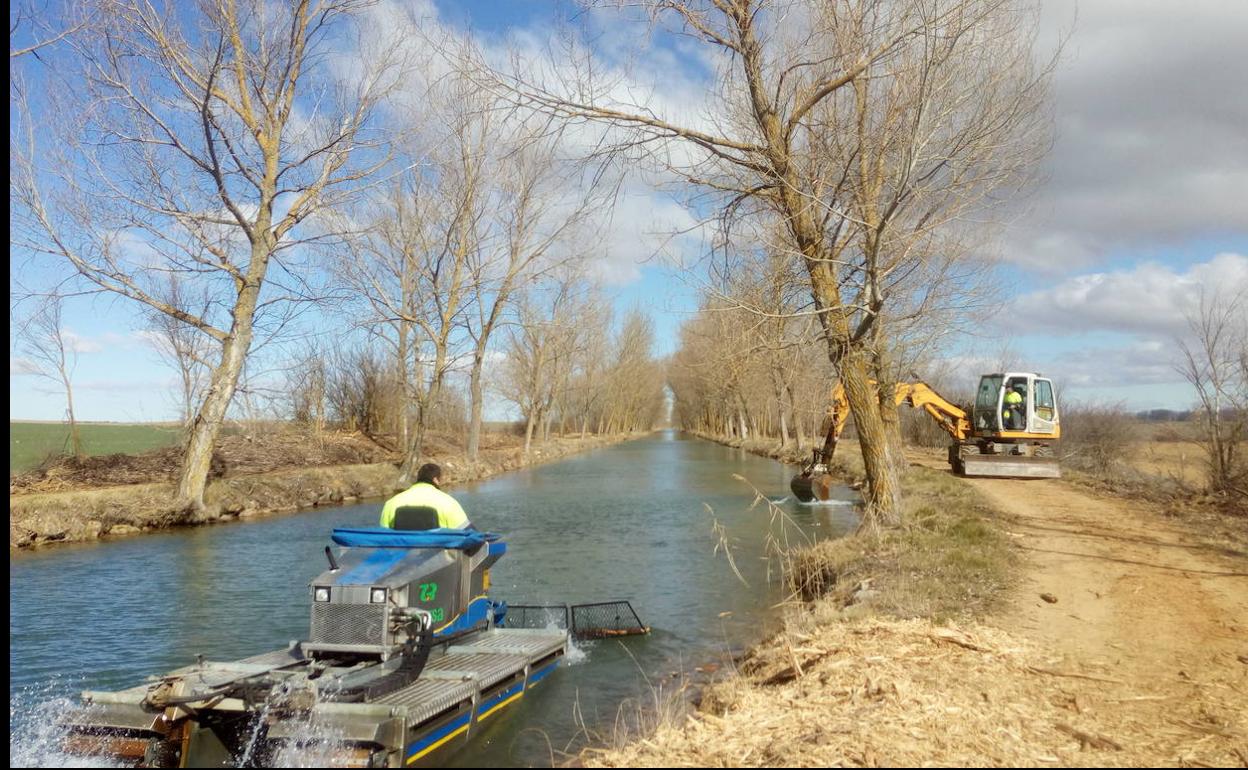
{"type": "Point", "coordinates": [749, 362]}
{"type": "Point", "coordinates": [562, 365]}
{"type": "Point", "coordinates": [230, 167]}
{"type": "Point", "coordinates": [851, 140]}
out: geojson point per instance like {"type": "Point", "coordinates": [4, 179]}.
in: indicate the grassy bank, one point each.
{"type": "Point", "coordinates": [84, 514]}
{"type": "Point", "coordinates": [950, 559]}
{"type": "Point", "coordinates": [880, 692]}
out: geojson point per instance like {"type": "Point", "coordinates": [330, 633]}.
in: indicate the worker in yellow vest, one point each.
{"type": "Point", "coordinates": [1014, 408]}
{"type": "Point", "coordinates": [424, 505]}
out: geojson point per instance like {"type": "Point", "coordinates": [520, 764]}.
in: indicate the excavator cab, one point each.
{"type": "Point", "coordinates": [1015, 428]}
{"type": "Point", "coordinates": [1015, 405]}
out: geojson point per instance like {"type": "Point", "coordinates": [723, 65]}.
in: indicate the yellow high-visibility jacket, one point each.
{"type": "Point", "coordinates": [450, 514]}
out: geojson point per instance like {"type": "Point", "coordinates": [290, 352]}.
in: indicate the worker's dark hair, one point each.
{"type": "Point", "coordinates": [428, 474]}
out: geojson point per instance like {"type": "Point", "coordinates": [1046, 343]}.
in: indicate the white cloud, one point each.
{"type": "Point", "coordinates": [79, 344]}
{"type": "Point", "coordinates": [1149, 298]}
{"type": "Point", "coordinates": [1141, 362]}
{"type": "Point", "coordinates": [644, 227]}
{"type": "Point", "coordinates": [1151, 102]}
{"type": "Point", "coordinates": [670, 81]}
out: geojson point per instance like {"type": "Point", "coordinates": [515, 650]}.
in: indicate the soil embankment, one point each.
{"type": "Point", "coordinates": [87, 500]}
{"type": "Point", "coordinates": [1122, 641]}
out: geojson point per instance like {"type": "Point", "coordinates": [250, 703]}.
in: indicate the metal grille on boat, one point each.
{"type": "Point", "coordinates": [348, 624]}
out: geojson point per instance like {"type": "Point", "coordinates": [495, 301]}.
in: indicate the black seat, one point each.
{"type": "Point", "coordinates": [416, 517]}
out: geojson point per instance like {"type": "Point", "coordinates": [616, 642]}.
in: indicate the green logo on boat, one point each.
{"type": "Point", "coordinates": [428, 591]}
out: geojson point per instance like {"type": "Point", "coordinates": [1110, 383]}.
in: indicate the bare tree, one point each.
{"type": "Point", "coordinates": [412, 267]}
{"type": "Point", "coordinates": [185, 349]}
{"type": "Point", "coordinates": [309, 383]}
{"type": "Point", "coordinates": [415, 260]}
{"type": "Point", "coordinates": [540, 202]}
{"type": "Point", "coordinates": [843, 121]}
{"type": "Point", "coordinates": [204, 137]}
{"type": "Point", "coordinates": [51, 353]}
{"type": "Point", "coordinates": [1213, 362]}
{"type": "Point", "coordinates": [635, 381]}
{"type": "Point", "coordinates": [591, 364]}
{"type": "Point", "coordinates": [541, 347]}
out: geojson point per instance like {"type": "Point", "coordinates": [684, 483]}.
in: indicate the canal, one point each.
{"type": "Point", "coordinates": [644, 521]}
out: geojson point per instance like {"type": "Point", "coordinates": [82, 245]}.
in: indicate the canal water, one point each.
{"type": "Point", "coordinates": [646, 521]}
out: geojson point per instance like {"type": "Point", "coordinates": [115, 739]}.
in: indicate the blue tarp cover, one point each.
{"type": "Point", "coordinates": [381, 537]}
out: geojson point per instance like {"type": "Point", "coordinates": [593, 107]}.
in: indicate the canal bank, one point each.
{"type": "Point", "coordinates": [1006, 623]}
{"type": "Point", "coordinates": [84, 515]}
{"type": "Point", "coordinates": [645, 520]}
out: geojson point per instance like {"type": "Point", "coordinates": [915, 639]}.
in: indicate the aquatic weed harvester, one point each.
{"type": "Point", "coordinates": [407, 655]}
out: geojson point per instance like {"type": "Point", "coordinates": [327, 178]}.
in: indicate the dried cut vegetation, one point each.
{"type": "Point", "coordinates": [886, 693]}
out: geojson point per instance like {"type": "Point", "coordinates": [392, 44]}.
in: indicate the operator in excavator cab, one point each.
{"type": "Point", "coordinates": [1015, 413]}
{"type": "Point", "coordinates": [424, 505]}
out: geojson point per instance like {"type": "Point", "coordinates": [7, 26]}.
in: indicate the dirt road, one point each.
{"type": "Point", "coordinates": [1155, 615]}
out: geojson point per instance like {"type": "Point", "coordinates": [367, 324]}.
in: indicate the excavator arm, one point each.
{"type": "Point", "coordinates": [952, 418]}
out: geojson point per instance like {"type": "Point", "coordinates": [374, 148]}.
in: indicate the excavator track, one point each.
{"type": "Point", "coordinates": [1009, 466]}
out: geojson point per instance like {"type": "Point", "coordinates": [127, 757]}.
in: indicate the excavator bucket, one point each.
{"type": "Point", "coordinates": [1010, 466]}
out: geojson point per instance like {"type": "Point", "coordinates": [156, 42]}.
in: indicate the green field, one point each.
{"type": "Point", "coordinates": [31, 442]}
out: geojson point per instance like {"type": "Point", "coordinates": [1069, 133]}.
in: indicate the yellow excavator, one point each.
{"type": "Point", "coordinates": [1011, 431]}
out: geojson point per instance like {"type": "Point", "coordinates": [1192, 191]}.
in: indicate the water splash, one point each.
{"type": "Point", "coordinates": [826, 502]}
{"type": "Point", "coordinates": [259, 723]}
{"type": "Point", "coordinates": [578, 651]}
{"type": "Point", "coordinates": [36, 737]}
{"type": "Point", "coordinates": [314, 744]}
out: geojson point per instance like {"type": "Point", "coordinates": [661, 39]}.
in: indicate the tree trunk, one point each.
{"type": "Point", "coordinates": [797, 420]}
{"type": "Point", "coordinates": [405, 385]}
{"type": "Point", "coordinates": [475, 398]}
{"type": "Point", "coordinates": [528, 434]}
{"type": "Point", "coordinates": [207, 422]}
{"type": "Point", "coordinates": [407, 472]}
{"type": "Point", "coordinates": [784, 422]}
{"type": "Point", "coordinates": [75, 436]}
{"type": "Point", "coordinates": [883, 498]}
{"type": "Point", "coordinates": [188, 396]}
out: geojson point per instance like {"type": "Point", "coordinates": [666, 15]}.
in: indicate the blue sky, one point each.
{"type": "Point", "coordinates": [1142, 206]}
